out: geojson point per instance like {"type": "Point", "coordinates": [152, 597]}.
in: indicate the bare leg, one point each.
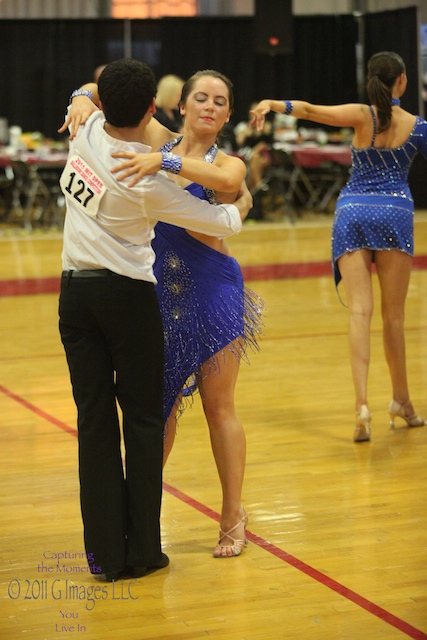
{"type": "Point", "coordinates": [170, 431]}
{"type": "Point", "coordinates": [394, 270]}
{"type": "Point", "coordinates": [257, 166]}
{"type": "Point", "coordinates": [227, 438]}
{"type": "Point", "coordinates": [355, 269]}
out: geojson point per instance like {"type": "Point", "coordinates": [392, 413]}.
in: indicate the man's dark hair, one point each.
{"type": "Point", "coordinates": [126, 89]}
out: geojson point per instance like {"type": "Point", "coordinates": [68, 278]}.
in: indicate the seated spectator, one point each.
{"type": "Point", "coordinates": [255, 147]}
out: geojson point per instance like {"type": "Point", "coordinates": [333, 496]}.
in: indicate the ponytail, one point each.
{"type": "Point", "coordinates": [380, 95]}
{"type": "Point", "coordinates": [383, 70]}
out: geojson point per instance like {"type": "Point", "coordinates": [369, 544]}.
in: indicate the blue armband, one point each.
{"type": "Point", "coordinates": [81, 92]}
{"type": "Point", "coordinates": [289, 107]}
{"type": "Point", "coordinates": [171, 162]}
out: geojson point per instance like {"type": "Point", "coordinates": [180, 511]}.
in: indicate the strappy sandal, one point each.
{"type": "Point", "coordinates": [238, 544]}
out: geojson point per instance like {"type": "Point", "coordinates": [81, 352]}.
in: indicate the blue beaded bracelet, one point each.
{"type": "Point", "coordinates": [81, 92]}
{"type": "Point", "coordinates": [171, 162]}
{"type": "Point", "coordinates": [289, 107]}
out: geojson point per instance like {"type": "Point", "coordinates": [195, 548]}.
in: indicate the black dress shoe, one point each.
{"type": "Point", "coordinates": [139, 572]}
{"type": "Point", "coordinates": [109, 577]}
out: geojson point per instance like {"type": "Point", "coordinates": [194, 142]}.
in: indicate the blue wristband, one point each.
{"type": "Point", "coordinates": [289, 107]}
{"type": "Point", "coordinates": [171, 162]}
{"type": "Point", "coordinates": [81, 92]}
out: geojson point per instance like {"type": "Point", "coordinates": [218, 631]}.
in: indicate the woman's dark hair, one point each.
{"type": "Point", "coordinates": [383, 70]}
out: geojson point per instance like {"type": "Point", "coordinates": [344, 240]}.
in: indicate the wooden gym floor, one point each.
{"type": "Point", "coordinates": [337, 536]}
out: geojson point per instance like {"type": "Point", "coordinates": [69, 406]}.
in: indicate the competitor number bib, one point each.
{"type": "Point", "coordinates": [82, 186]}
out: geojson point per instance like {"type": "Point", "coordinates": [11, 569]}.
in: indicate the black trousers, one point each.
{"type": "Point", "coordinates": [112, 333]}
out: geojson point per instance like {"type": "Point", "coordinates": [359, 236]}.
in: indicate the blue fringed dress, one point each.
{"type": "Point", "coordinates": [204, 304]}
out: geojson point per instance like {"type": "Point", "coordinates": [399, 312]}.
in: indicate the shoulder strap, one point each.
{"type": "Point", "coordinates": [170, 144]}
{"type": "Point", "coordinates": [211, 154]}
{"type": "Point", "coordinates": [210, 157]}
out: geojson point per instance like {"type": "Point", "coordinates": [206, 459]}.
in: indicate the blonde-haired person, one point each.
{"type": "Point", "coordinates": [373, 221]}
{"type": "Point", "coordinates": [169, 90]}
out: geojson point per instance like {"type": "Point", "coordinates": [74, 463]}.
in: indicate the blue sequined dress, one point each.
{"type": "Point", "coordinates": [204, 304]}
{"type": "Point", "coordinates": [375, 209]}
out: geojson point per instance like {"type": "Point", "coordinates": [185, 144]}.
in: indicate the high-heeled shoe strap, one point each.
{"type": "Point", "coordinates": [236, 549]}
{"type": "Point", "coordinates": [237, 545]}
{"type": "Point", "coordinates": [397, 410]}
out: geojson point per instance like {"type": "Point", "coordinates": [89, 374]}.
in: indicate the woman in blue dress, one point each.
{"type": "Point", "coordinates": [373, 222]}
{"type": "Point", "coordinates": [210, 319]}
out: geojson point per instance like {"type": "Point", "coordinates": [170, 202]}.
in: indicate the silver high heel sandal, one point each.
{"type": "Point", "coordinates": [362, 432]}
{"type": "Point", "coordinates": [398, 410]}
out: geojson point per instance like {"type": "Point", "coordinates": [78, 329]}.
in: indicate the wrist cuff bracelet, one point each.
{"type": "Point", "coordinates": [81, 92]}
{"type": "Point", "coordinates": [171, 162]}
{"type": "Point", "coordinates": [289, 107]}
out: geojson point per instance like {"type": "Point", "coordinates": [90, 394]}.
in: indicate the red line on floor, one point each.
{"type": "Point", "coordinates": [291, 270]}
{"type": "Point", "coordinates": [320, 577]}
{"type": "Point", "coordinates": [303, 269]}
{"type": "Point", "coordinates": [38, 411]}
{"type": "Point", "coordinates": [29, 286]}
{"type": "Point", "coordinates": [359, 600]}
{"type": "Point", "coordinates": [287, 271]}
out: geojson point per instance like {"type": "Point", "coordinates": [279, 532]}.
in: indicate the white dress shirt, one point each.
{"type": "Point", "coordinates": [109, 225]}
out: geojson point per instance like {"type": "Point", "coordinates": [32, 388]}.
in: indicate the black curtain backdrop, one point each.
{"type": "Point", "coordinates": [184, 46]}
{"type": "Point", "coordinates": [398, 31]}
{"type": "Point", "coordinates": [49, 58]}
{"type": "Point", "coordinates": [324, 65]}
{"type": "Point", "coordinates": [325, 59]}
{"type": "Point", "coordinates": [44, 60]}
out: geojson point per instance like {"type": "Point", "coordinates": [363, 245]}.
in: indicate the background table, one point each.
{"type": "Point", "coordinates": [36, 196]}
{"type": "Point", "coordinates": [321, 170]}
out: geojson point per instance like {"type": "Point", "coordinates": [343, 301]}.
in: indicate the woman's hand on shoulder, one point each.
{"type": "Point", "coordinates": [137, 165]}
{"type": "Point", "coordinates": [79, 111]}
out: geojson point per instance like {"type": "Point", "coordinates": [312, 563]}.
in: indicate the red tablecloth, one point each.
{"type": "Point", "coordinates": [312, 157]}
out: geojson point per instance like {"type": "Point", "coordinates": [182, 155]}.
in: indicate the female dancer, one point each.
{"type": "Point", "coordinates": [209, 318]}
{"type": "Point", "coordinates": [373, 221]}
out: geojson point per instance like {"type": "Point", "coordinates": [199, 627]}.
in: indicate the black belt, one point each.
{"type": "Point", "coordinates": [89, 273]}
